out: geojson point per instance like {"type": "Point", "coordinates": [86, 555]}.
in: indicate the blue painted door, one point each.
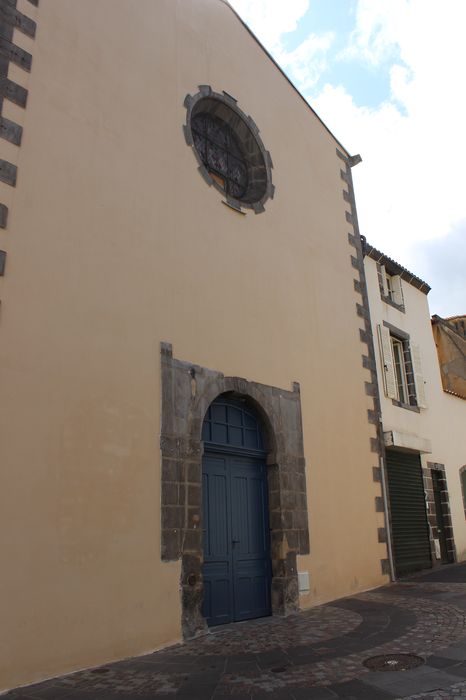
{"type": "Point", "coordinates": [236, 569]}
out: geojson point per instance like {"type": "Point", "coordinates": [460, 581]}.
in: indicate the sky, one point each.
{"type": "Point", "coordinates": [388, 77]}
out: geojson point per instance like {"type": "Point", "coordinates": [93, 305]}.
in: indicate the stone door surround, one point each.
{"type": "Point", "coordinates": [187, 392]}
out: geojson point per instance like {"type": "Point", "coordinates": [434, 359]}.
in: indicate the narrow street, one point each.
{"type": "Point", "coordinates": [417, 625]}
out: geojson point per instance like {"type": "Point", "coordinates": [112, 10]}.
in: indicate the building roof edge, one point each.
{"type": "Point", "coordinates": [453, 393]}
{"type": "Point", "coordinates": [447, 323]}
{"type": "Point", "coordinates": [225, 2]}
{"type": "Point", "coordinates": [395, 268]}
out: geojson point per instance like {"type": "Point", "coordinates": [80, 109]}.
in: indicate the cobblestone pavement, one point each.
{"type": "Point", "coordinates": [318, 654]}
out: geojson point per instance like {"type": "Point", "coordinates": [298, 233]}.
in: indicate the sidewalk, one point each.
{"type": "Point", "coordinates": [314, 655]}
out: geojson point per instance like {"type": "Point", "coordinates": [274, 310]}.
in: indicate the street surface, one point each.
{"type": "Point", "coordinates": [319, 654]}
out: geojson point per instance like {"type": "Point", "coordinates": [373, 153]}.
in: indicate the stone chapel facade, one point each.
{"type": "Point", "coordinates": [189, 406]}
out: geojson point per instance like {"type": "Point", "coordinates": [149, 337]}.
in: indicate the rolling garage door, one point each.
{"type": "Point", "coordinates": [410, 531]}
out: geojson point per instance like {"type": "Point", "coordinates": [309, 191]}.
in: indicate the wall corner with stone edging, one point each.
{"type": "Point", "coordinates": [432, 512]}
{"type": "Point", "coordinates": [11, 20]}
{"type": "Point", "coordinates": [362, 309]}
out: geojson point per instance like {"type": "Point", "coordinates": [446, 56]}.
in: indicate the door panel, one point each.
{"type": "Point", "coordinates": [217, 568]}
{"type": "Point", "coordinates": [236, 569]}
{"type": "Point", "coordinates": [251, 562]}
{"type": "Point", "coordinates": [217, 542]}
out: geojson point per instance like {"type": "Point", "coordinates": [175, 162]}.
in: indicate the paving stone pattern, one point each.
{"type": "Point", "coordinates": [314, 655]}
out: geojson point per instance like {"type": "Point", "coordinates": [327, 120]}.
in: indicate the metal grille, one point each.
{"type": "Point", "coordinates": [393, 662]}
{"type": "Point", "coordinates": [410, 530]}
{"type": "Point", "coordinates": [230, 422]}
{"type": "Point", "coordinates": [218, 148]}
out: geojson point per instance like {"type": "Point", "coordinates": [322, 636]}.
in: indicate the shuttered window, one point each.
{"type": "Point", "coordinates": [400, 370]}
{"type": "Point", "coordinates": [418, 376]}
{"type": "Point", "coordinates": [384, 280]}
{"type": "Point", "coordinates": [388, 369]}
{"type": "Point", "coordinates": [396, 294]}
{"type": "Point", "coordinates": [391, 289]}
{"type": "Point", "coordinates": [402, 375]}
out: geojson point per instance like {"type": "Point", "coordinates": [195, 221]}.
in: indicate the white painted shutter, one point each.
{"type": "Point", "coordinates": [397, 290]}
{"type": "Point", "coordinates": [388, 369]}
{"type": "Point", "coordinates": [418, 376]}
{"type": "Point", "coordinates": [384, 280]}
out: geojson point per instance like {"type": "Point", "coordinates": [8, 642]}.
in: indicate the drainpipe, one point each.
{"type": "Point", "coordinates": [387, 519]}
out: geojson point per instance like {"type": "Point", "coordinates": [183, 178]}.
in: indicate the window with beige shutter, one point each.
{"type": "Point", "coordinates": [418, 376]}
{"type": "Point", "coordinates": [403, 380]}
{"type": "Point", "coordinates": [391, 289]}
{"type": "Point", "coordinates": [388, 370]}
{"type": "Point", "coordinates": [400, 370]}
{"type": "Point", "coordinates": [384, 290]}
{"type": "Point", "coordinates": [396, 293]}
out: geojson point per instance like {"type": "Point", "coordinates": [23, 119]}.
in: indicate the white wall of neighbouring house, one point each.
{"type": "Point", "coordinates": [441, 423]}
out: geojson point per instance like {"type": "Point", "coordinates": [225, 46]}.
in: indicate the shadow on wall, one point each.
{"type": "Point", "coordinates": [450, 341]}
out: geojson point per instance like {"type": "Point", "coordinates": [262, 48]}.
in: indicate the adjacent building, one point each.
{"type": "Point", "coordinates": [423, 417]}
{"type": "Point", "coordinates": [450, 341]}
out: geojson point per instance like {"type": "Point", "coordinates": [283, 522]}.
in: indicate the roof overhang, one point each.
{"type": "Point", "coordinates": [394, 268]}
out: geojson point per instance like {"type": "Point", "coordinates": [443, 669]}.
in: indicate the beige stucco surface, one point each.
{"type": "Point", "coordinates": [115, 243]}
{"type": "Point", "coordinates": [441, 423]}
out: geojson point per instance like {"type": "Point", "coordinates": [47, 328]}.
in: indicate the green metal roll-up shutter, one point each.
{"type": "Point", "coordinates": [410, 531]}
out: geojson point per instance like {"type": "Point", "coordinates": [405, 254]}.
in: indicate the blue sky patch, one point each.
{"type": "Point", "coordinates": [368, 85]}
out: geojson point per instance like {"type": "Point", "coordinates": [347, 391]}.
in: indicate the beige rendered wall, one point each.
{"type": "Point", "coordinates": [442, 421]}
{"type": "Point", "coordinates": [115, 243]}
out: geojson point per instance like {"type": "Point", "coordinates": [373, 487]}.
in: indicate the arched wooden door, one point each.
{"type": "Point", "coordinates": [236, 539]}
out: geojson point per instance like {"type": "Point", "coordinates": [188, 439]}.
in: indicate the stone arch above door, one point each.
{"type": "Point", "coordinates": [187, 392]}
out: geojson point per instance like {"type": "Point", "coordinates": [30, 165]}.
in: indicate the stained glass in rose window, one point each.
{"type": "Point", "coordinates": [220, 152]}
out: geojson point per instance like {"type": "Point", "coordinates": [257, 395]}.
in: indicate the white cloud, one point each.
{"type": "Point", "coordinates": [271, 19]}
{"type": "Point", "coordinates": [307, 62]}
{"type": "Point", "coordinates": [442, 262]}
{"type": "Point", "coordinates": [410, 187]}
{"type": "Point", "coordinates": [377, 24]}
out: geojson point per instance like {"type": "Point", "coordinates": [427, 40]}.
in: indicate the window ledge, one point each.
{"type": "Point", "coordinates": [408, 406]}
{"type": "Point", "coordinates": [390, 302]}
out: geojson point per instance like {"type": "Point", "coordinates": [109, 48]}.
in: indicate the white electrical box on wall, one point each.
{"type": "Point", "coordinates": [303, 581]}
